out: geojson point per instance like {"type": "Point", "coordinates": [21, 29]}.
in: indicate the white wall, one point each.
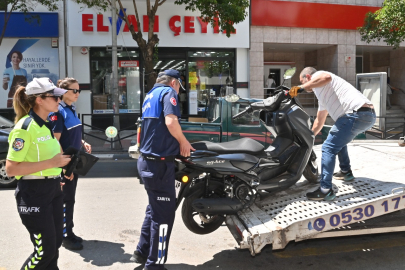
{"type": "Point", "coordinates": [242, 71]}
{"type": "Point", "coordinates": [80, 65]}
{"type": "Point", "coordinates": [83, 104]}
{"type": "Point", "coordinates": [167, 38]}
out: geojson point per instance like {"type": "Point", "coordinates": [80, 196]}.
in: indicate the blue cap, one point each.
{"type": "Point", "coordinates": [174, 74]}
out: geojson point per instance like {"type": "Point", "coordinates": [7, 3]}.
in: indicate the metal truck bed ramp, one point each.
{"type": "Point", "coordinates": [285, 216]}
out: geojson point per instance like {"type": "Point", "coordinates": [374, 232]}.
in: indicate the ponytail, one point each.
{"type": "Point", "coordinates": [22, 103]}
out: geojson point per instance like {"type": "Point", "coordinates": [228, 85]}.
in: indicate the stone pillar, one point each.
{"type": "Point", "coordinates": [256, 83]}
{"type": "Point", "coordinates": [347, 47]}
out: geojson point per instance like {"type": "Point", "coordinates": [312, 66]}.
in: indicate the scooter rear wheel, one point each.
{"type": "Point", "coordinates": [199, 223]}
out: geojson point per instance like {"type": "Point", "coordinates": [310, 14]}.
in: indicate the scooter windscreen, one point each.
{"type": "Point", "coordinates": [270, 104]}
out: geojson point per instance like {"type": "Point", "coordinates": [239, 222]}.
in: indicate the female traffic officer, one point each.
{"type": "Point", "coordinates": [68, 130]}
{"type": "Point", "coordinates": [34, 158]}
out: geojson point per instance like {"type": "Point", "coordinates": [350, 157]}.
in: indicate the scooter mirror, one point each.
{"type": "Point", "coordinates": [232, 98]}
{"type": "Point", "coordinates": [289, 73]}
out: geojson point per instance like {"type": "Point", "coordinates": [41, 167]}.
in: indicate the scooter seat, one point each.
{"type": "Point", "coordinates": [245, 145]}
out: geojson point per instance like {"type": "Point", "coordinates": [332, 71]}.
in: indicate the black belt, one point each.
{"type": "Point", "coordinates": [155, 158]}
{"type": "Point", "coordinates": [366, 109]}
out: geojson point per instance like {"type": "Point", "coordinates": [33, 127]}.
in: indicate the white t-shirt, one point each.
{"type": "Point", "coordinates": [338, 97]}
{"type": "Point", "coordinates": [269, 82]}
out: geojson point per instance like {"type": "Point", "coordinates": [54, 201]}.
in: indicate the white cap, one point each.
{"type": "Point", "coordinates": [43, 85]}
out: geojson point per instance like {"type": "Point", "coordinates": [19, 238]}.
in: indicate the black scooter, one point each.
{"type": "Point", "coordinates": [223, 178]}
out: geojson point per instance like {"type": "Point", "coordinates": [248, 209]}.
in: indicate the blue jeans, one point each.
{"type": "Point", "coordinates": [345, 129]}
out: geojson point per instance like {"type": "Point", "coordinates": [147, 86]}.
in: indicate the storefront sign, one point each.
{"type": "Point", "coordinates": [22, 25]}
{"type": "Point", "coordinates": [128, 63]}
{"type": "Point", "coordinates": [111, 111]}
{"type": "Point", "coordinates": [176, 27]}
{"type": "Point", "coordinates": [175, 24]}
{"type": "Point", "coordinates": [21, 60]}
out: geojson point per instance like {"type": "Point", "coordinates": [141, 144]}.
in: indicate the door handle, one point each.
{"type": "Point", "coordinates": [235, 134]}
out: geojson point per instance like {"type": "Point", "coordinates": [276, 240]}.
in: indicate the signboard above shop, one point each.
{"type": "Point", "coordinates": [175, 26]}
{"type": "Point", "coordinates": [128, 64]}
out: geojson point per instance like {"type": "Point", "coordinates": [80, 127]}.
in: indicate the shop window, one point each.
{"type": "Point", "coordinates": [211, 73]}
{"type": "Point", "coordinates": [129, 86]}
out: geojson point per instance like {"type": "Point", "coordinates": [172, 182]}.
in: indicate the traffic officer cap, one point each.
{"type": "Point", "coordinates": [43, 85]}
{"type": "Point", "coordinates": [172, 73]}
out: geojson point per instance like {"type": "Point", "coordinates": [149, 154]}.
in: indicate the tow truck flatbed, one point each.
{"type": "Point", "coordinates": [372, 203]}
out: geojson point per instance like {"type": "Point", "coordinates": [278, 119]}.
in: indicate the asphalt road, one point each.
{"type": "Point", "coordinates": [110, 206]}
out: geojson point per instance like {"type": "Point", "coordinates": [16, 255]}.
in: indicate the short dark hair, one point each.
{"type": "Point", "coordinates": [20, 56]}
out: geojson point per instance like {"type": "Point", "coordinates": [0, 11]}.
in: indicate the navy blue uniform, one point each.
{"type": "Point", "coordinates": [158, 176]}
{"type": "Point", "coordinates": [66, 122]}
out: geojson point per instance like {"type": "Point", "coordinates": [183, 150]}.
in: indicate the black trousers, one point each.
{"type": "Point", "coordinates": [69, 191]}
{"type": "Point", "coordinates": [40, 206]}
{"type": "Point", "coordinates": [158, 178]}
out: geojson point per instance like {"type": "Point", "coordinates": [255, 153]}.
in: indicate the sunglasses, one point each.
{"type": "Point", "coordinates": [56, 98]}
{"type": "Point", "coordinates": [75, 91]}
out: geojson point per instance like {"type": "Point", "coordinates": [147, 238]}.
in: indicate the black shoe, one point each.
{"type": "Point", "coordinates": [318, 195]}
{"type": "Point", "coordinates": [71, 244]}
{"type": "Point", "coordinates": [78, 238]}
{"type": "Point", "coordinates": [138, 257]}
{"type": "Point", "coordinates": [348, 176]}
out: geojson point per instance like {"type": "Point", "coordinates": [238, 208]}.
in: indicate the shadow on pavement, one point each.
{"type": "Point", "coordinates": [103, 253]}
{"type": "Point", "coordinates": [225, 260]}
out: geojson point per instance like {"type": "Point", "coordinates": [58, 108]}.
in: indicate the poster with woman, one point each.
{"type": "Point", "coordinates": [22, 60]}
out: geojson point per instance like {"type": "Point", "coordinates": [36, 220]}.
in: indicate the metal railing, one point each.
{"type": "Point", "coordinates": [111, 140]}
{"type": "Point", "coordinates": [389, 133]}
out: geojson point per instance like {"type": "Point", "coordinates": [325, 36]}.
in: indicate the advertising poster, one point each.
{"type": "Point", "coordinates": [21, 60]}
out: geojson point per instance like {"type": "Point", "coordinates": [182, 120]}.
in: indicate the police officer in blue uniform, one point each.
{"type": "Point", "coordinates": [161, 140]}
{"type": "Point", "coordinates": [67, 128]}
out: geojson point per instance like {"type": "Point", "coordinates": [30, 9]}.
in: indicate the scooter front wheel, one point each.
{"type": "Point", "coordinates": [311, 173]}
{"type": "Point", "coordinates": [199, 223]}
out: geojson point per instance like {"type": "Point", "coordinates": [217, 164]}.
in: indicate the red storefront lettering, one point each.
{"type": "Point", "coordinates": [216, 26]}
{"type": "Point", "coordinates": [172, 24]}
{"type": "Point", "coordinates": [87, 22]}
{"type": "Point", "coordinates": [146, 24]}
{"type": "Point", "coordinates": [100, 24]}
{"type": "Point", "coordinates": [203, 25]}
{"type": "Point", "coordinates": [132, 20]}
{"type": "Point", "coordinates": [189, 24]}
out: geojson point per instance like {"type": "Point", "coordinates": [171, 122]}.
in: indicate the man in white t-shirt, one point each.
{"type": "Point", "coordinates": [353, 114]}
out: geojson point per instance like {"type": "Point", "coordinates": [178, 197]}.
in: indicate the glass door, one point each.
{"type": "Point", "coordinates": [210, 74]}
{"type": "Point", "coordinates": [129, 85]}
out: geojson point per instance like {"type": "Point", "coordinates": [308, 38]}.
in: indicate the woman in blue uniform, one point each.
{"type": "Point", "coordinates": [68, 130]}
{"type": "Point", "coordinates": [34, 158]}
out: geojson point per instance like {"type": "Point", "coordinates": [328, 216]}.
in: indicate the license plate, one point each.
{"type": "Point", "coordinates": [177, 186]}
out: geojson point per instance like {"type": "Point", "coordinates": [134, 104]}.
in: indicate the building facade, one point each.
{"type": "Point", "coordinates": [30, 48]}
{"type": "Point", "coordinates": [322, 34]}
{"type": "Point", "coordinates": [211, 63]}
